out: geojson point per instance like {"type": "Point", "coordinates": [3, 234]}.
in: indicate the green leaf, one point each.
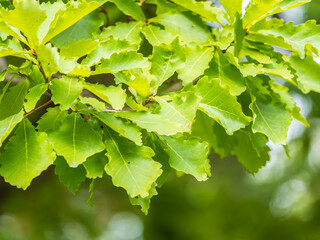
{"type": "Point", "coordinates": [26, 155]}
{"type": "Point", "coordinates": [188, 155]}
{"type": "Point", "coordinates": [129, 7]}
{"type": "Point", "coordinates": [75, 140]}
{"type": "Point", "coordinates": [77, 49]}
{"type": "Point", "coordinates": [116, 96]}
{"type": "Point", "coordinates": [124, 31]}
{"type": "Point", "coordinates": [291, 106]}
{"type": "Point", "coordinates": [156, 36]}
{"type": "Point", "coordinates": [51, 119]}
{"type": "Point", "coordinates": [189, 27]}
{"type": "Point", "coordinates": [251, 150]}
{"type": "Point", "coordinates": [144, 203]}
{"type": "Point", "coordinates": [239, 33]}
{"type": "Point", "coordinates": [121, 61]}
{"type": "Point", "coordinates": [95, 103]}
{"type": "Point", "coordinates": [232, 7]}
{"type": "Point", "coordinates": [124, 128]}
{"type": "Point", "coordinates": [69, 14]}
{"type": "Point", "coordinates": [130, 166]}
{"type": "Point", "coordinates": [34, 95]}
{"type": "Point", "coordinates": [165, 60]}
{"type": "Point", "coordinates": [288, 36]}
{"type": "Point", "coordinates": [137, 79]}
{"type": "Point", "coordinates": [12, 47]}
{"type": "Point", "coordinates": [92, 186]}
{"type": "Point", "coordinates": [271, 119]}
{"type": "Point", "coordinates": [153, 141]}
{"type": "Point", "coordinates": [6, 86]}
{"type": "Point", "coordinates": [228, 74]}
{"type": "Point", "coordinates": [204, 9]}
{"type": "Point", "coordinates": [134, 105]}
{"type": "Point", "coordinates": [27, 16]}
{"type": "Point", "coordinates": [9, 30]}
{"type": "Point", "coordinates": [202, 127]}
{"type": "Point", "coordinates": [257, 53]}
{"type": "Point", "coordinates": [65, 91]}
{"type": "Point", "coordinates": [49, 58]}
{"type": "Point", "coordinates": [169, 118]}
{"type": "Point", "coordinates": [106, 48]}
{"type": "Point", "coordinates": [8, 124]}
{"type": "Point", "coordinates": [260, 9]}
{"type": "Point", "coordinates": [52, 62]}
{"type": "Point", "coordinates": [13, 100]}
{"type": "Point", "coordinates": [95, 165]}
{"type": "Point", "coordinates": [197, 61]}
{"type": "Point", "coordinates": [84, 29]}
{"type": "Point", "coordinates": [281, 70]}
{"type": "Point", "coordinates": [307, 73]}
{"type": "Point", "coordinates": [223, 37]}
{"type": "Point", "coordinates": [164, 6]}
{"type": "Point", "coordinates": [70, 177]}
{"type": "Point", "coordinates": [219, 104]}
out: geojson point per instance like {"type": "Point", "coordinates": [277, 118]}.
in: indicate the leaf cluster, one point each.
{"type": "Point", "coordinates": [139, 89]}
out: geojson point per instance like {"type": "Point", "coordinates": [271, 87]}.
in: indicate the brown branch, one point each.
{"type": "Point", "coordinates": [43, 73]}
{"type": "Point", "coordinates": [36, 109]}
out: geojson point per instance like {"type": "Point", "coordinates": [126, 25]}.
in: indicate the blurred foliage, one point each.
{"type": "Point", "coordinates": [313, 10]}
{"type": "Point", "coordinates": [282, 201]}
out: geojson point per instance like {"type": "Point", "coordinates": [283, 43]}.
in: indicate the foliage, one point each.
{"type": "Point", "coordinates": [151, 93]}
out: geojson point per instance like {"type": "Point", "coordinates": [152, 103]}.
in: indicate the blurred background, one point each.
{"type": "Point", "coordinates": [282, 201]}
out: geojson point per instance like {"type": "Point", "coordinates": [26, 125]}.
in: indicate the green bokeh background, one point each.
{"type": "Point", "coordinates": [281, 202]}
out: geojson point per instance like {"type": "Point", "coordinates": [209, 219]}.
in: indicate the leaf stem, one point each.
{"type": "Point", "coordinates": [40, 67]}
{"type": "Point", "coordinates": [36, 109]}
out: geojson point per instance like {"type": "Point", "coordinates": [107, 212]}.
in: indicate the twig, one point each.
{"type": "Point", "coordinates": [36, 109]}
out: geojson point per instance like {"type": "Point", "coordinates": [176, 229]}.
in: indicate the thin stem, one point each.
{"type": "Point", "coordinates": [43, 73]}
{"type": "Point", "coordinates": [40, 67]}
{"type": "Point", "coordinates": [36, 109]}
{"type": "Point", "coordinates": [112, 110]}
